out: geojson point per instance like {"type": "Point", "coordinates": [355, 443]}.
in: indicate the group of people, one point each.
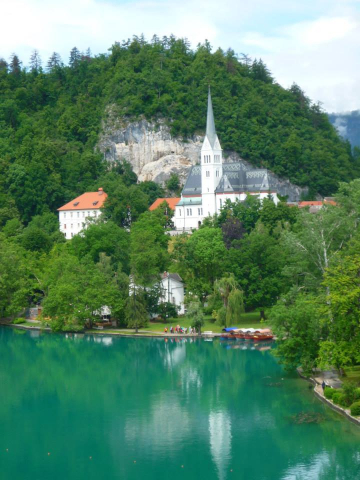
{"type": "Point", "coordinates": [179, 329]}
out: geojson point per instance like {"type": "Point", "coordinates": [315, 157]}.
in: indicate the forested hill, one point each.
{"type": "Point", "coordinates": [50, 118]}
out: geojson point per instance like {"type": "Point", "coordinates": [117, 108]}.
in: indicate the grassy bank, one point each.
{"type": "Point", "coordinates": [247, 320]}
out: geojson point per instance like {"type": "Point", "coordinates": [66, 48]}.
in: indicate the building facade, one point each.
{"type": "Point", "coordinates": [75, 215]}
{"type": "Point", "coordinates": [172, 291]}
{"type": "Point", "coordinates": [213, 182]}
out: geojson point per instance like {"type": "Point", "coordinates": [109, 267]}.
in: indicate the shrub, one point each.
{"type": "Point", "coordinates": [350, 393]}
{"type": "Point", "coordinates": [329, 392]}
{"type": "Point", "coordinates": [357, 394]}
{"type": "Point", "coordinates": [355, 409]}
{"type": "Point", "coordinates": [17, 321]}
{"type": "Point", "coordinates": [339, 399]}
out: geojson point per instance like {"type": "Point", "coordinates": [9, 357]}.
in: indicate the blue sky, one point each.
{"type": "Point", "coordinates": [313, 43]}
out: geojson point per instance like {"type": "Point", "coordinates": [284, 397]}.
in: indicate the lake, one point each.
{"type": "Point", "coordinates": [99, 407]}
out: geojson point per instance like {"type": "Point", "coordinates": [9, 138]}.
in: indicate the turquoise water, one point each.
{"type": "Point", "coordinates": [122, 408]}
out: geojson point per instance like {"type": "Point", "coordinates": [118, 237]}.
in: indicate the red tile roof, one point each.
{"type": "Point", "coordinates": [86, 201]}
{"type": "Point", "coordinates": [172, 202]}
{"type": "Point", "coordinates": [316, 203]}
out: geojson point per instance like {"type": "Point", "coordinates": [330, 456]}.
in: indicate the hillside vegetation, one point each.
{"type": "Point", "coordinates": [50, 118]}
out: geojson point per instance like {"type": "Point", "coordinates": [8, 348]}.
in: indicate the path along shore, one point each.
{"type": "Point", "coordinates": [331, 378]}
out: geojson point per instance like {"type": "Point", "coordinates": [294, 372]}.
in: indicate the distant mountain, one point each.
{"type": "Point", "coordinates": [348, 125]}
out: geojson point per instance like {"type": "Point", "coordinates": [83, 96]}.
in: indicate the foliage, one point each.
{"type": "Point", "coordinates": [135, 312]}
{"type": "Point", "coordinates": [355, 409]}
{"type": "Point", "coordinates": [296, 322]}
{"type": "Point", "coordinates": [329, 392]}
{"type": "Point", "coordinates": [173, 184]}
{"type": "Point", "coordinates": [200, 259]}
{"type": "Point", "coordinates": [18, 321]}
{"type": "Point", "coordinates": [339, 399]}
{"type": "Point", "coordinates": [149, 256]}
{"type": "Point", "coordinates": [167, 310]}
{"type": "Point", "coordinates": [196, 314]}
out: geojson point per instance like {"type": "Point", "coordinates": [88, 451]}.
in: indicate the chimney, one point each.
{"type": "Point", "coordinates": [100, 191]}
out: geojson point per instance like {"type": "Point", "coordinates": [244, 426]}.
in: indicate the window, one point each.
{"type": "Point", "coordinates": [207, 173]}
{"type": "Point", "coordinates": [78, 214]}
{"type": "Point", "coordinates": [72, 235]}
{"type": "Point", "coordinates": [83, 214]}
{"type": "Point", "coordinates": [189, 212]}
{"type": "Point", "coordinates": [76, 204]}
{"type": "Point", "coordinates": [217, 173]}
{"type": "Point", "coordinates": [179, 212]}
{"type": "Point", "coordinates": [71, 214]}
{"type": "Point", "coordinates": [95, 213]}
{"type": "Point", "coordinates": [88, 214]}
{"type": "Point", "coordinates": [220, 203]}
{"type": "Point", "coordinates": [78, 225]}
{"type": "Point", "coordinates": [83, 224]}
{"type": "Point", "coordinates": [64, 214]}
{"type": "Point", "coordinates": [71, 225]}
{"type": "Point", "coordinates": [199, 211]}
{"type": "Point", "coordinates": [64, 226]}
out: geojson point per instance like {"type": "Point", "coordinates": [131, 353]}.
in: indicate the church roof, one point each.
{"type": "Point", "coordinates": [235, 179]}
{"type": "Point", "coordinates": [210, 122]}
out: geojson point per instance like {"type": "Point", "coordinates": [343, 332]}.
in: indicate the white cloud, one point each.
{"type": "Point", "coordinates": [312, 42]}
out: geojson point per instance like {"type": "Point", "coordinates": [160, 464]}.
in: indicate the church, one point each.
{"type": "Point", "coordinates": [211, 183]}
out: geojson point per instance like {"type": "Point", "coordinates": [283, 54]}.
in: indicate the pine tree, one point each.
{"type": "Point", "coordinates": [35, 61]}
{"type": "Point", "coordinates": [15, 65]}
{"type": "Point", "coordinates": [3, 65]}
{"type": "Point", "coordinates": [75, 57]}
{"type": "Point", "coordinates": [54, 62]}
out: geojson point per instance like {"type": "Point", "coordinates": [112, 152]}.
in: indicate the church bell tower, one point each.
{"type": "Point", "coordinates": [211, 163]}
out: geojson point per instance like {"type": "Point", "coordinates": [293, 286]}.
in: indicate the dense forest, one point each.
{"type": "Point", "coordinates": [299, 269]}
{"type": "Point", "coordinates": [50, 118]}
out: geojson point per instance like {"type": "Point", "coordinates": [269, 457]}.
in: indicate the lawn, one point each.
{"type": "Point", "coordinates": [352, 374]}
{"type": "Point", "coordinates": [247, 320]}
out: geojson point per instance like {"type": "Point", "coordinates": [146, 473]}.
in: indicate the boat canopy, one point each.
{"type": "Point", "coordinates": [230, 329]}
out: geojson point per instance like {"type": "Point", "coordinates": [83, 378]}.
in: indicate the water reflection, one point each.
{"type": "Point", "coordinates": [220, 441]}
{"type": "Point", "coordinates": [207, 406]}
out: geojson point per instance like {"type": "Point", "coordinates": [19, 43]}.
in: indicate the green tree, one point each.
{"type": "Point", "coordinates": [297, 323]}
{"type": "Point", "coordinates": [196, 314]}
{"type": "Point", "coordinates": [201, 259]}
{"type": "Point", "coordinates": [148, 255]}
{"type": "Point", "coordinates": [135, 311]}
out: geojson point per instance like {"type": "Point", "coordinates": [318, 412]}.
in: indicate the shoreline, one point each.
{"type": "Point", "coordinates": [120, 333]}
{"type": "Point", "coordinates": [318, 391]}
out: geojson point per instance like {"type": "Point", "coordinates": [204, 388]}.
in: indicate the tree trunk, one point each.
{"type": "Point", "coordinates": [262, 315]}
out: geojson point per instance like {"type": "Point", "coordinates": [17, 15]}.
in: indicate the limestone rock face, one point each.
{"type": "Point", "coordinates": [149, 147]}
{"type": "Point", "coordinates": [155, 154]}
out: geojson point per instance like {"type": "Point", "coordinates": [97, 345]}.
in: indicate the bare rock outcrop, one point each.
{"type": "Point", "coordinates": [155, 154]}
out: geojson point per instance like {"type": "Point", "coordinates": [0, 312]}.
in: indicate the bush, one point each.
{"type": "Point", "coordinates": [350, 392]}
{"type": "Point", "coordinates": [339, 399]}
{"type": "Point", "coordinates": [357, 394]}
{"type": "Point", "coordinates": [17, 321]}
{"type": "Point", "coordinates": [355, 409]}
{"type": "Point", "coordinates": [329, 392]}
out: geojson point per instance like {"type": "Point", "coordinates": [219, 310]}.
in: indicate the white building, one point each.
{"type": "Point", "coordinates": [213, 182]}
{"type": "Point", "coordinates": [172, 290]}
{"type": "Point", "coordinates": [74, 215]}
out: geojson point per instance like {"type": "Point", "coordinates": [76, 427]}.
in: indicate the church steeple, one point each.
{"type": "Point", "coordinates": [210, 122]}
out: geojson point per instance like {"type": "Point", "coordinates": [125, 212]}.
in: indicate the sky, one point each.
{"type": "Point", "coordinates": [314, 43]}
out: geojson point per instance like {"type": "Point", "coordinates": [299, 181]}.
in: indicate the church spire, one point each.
{"type": "Point", "coordinates": [210, 122]}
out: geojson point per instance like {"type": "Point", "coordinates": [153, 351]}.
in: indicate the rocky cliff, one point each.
{"type": "Point", "coordinates": [155, 154]}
